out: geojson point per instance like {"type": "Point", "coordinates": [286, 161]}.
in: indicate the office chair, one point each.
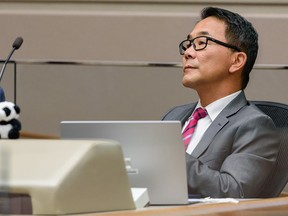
{"type": "Point", "coordinates": [278, 112]}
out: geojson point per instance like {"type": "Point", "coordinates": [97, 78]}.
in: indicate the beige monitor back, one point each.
{"type": "Point", "coordinates": [65, 176]}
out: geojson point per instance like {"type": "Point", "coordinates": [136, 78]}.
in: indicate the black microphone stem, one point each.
{"type": "Point", "coordinates": [16, 45]}
{"type": "Point", "coordinates": [5, 63]}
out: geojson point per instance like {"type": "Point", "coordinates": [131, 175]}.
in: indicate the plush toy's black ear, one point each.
{"type": "Point", "coordinates": [17, 109]}
{"type": "Point", "coordinates": [7, 111]}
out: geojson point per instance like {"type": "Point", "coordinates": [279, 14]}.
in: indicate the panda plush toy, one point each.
{"type": "Point", "coordinates": [10, 126]}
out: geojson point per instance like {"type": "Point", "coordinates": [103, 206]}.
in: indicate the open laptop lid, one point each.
{"type": "Point", "coordinates": [154, 150]}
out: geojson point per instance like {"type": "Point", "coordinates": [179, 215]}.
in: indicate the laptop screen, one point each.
{"type": "Point", "coordinates": [153, 151]}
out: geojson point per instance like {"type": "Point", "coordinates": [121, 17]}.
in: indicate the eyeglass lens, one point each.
{"type": "Point", "coordinates": [197, 43]}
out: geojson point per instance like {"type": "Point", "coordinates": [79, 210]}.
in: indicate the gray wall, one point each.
{"type": "Point", "coordinates": [113, 41]}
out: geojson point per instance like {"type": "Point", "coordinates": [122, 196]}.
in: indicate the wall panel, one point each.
{"type": "Point", "coordinates": [91, 32]}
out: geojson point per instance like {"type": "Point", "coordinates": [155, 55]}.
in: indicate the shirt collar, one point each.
{"type": "Point", "coordinates": [217, 106]}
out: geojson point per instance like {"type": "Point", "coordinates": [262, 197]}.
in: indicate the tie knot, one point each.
{"type": "Point", "coordinates": [199, 113]}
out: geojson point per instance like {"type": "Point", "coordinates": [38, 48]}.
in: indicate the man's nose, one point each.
{"type": "Point", "coordinates": [190, 52]}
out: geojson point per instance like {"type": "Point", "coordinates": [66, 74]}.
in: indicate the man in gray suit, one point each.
{"type": "Point", "coordinates": [234, 147]}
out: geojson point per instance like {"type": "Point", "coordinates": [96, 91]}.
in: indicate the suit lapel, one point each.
{"type": "Point", "coordinates": [186, 113]}
{"type": "Point", "coordinates": [208, 136]}
{"type": "Point", "coordinates": [221, 120]}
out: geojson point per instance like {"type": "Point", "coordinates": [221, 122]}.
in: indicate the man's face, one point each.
{"type": "Point", "coordinates": [207, 68]}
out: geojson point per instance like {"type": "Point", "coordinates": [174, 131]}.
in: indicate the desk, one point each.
{"type": "Point", "coordinates": [264, 207]}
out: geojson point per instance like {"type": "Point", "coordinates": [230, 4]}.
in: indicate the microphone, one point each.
{"type": "Point", "coordinates": [16, 45]}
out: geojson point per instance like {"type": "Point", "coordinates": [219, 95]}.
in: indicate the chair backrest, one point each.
{"type": "Point", "coordinates": [278, 112]}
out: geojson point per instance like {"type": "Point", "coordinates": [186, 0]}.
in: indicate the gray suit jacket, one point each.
{"type": "Point", "coordinates": [236, 154]}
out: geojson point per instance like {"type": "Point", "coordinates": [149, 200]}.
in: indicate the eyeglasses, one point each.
{"type": "Point", "coordinates": [200, 43]}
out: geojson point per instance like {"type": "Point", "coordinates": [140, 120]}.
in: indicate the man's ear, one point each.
{"type": "Point", "coordinates": [238, 61]}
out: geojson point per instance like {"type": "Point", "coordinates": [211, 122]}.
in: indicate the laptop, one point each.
{"type": "Point", "coordinates": [153, 150]}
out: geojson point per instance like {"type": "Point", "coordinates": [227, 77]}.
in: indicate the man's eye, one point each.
{"type": "Point", "coordinates": [200, 42]}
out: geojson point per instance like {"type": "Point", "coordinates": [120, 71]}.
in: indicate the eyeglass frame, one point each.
{"type": "Point", "coordinates": [207, 39]}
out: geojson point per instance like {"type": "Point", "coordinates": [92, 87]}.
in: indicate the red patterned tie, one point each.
{"type": "Point", "coordinates": [190, 128]}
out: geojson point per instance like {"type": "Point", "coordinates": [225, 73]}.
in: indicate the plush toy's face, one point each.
{"type": "Point", "coordinates": [8, 111]}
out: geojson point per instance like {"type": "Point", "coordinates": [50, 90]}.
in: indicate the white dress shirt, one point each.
{"type": "Point", "coordinates": [213, 111]}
